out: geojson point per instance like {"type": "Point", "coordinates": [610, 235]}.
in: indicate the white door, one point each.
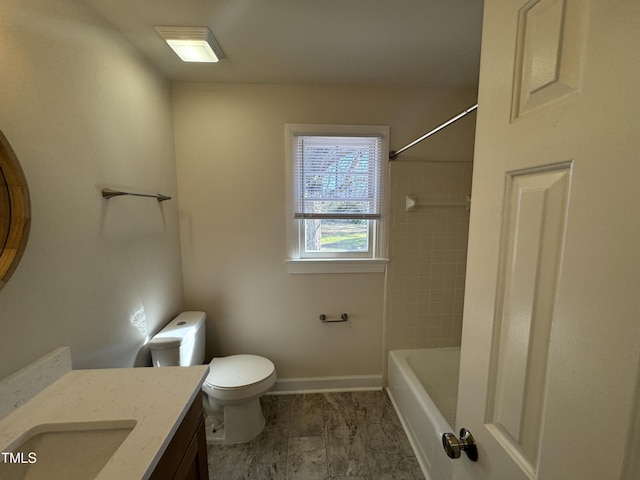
{"type": "Point", "coordinates": [550, 369]}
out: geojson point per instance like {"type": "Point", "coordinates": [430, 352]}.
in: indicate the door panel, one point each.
{"type": "Point", "coordinates": [551, 336]}
{"type": "Point", "coordinates": [549, 52]}
{"type": "Point", "coordinates": [534, 205]}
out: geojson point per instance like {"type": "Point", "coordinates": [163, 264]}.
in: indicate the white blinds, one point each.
{"type": "Point", "coordinates": [337, 177]}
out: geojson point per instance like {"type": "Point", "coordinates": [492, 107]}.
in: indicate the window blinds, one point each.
{"type": "Point", "coordinates": [337, 177]}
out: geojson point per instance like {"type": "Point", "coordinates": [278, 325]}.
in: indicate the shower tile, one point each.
{"type": "Point", "coordinates": [427, 243]}
{"type": "Point", "coordinates": [435, 309]}
{"type": "Point", "coordinates": [421, 333]}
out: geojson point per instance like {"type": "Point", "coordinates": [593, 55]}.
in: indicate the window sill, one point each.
{"type": "Point", "coordinates": [332, 265]}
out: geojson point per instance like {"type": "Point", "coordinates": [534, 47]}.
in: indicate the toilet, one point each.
{"type": "Point", "coordinates": [232, 390]}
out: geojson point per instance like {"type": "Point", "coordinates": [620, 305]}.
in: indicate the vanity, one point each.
{"type": "Point", "coordinates": [107, 424]}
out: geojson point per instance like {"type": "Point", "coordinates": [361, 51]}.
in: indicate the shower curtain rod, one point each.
{"type": "Point", "coordinates": [394, 153]}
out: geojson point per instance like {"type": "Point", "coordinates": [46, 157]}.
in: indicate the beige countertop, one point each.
{"type": "Point", "coordinates": [155, 398]}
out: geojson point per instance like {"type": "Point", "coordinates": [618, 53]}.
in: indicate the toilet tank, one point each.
{"type": "Point", "coordinates": [180, 342]}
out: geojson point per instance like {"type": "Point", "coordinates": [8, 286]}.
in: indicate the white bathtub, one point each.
{"type": "Point", "coordinates": [423, 386]}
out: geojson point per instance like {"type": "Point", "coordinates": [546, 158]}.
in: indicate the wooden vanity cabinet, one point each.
{"type": "Point", "coordinates": [186, 456]}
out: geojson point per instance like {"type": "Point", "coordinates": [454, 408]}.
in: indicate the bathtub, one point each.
{"type": "Point", "coordinates": [423, 386]}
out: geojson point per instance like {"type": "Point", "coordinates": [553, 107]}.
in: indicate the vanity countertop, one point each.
{"type": "Point", "coordinates": [156, 398]}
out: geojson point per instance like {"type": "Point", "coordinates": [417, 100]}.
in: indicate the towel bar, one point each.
{"type": "Point", "coordinates": [343, 318]}
{"type": "Point", "coordinates": [108, 193]}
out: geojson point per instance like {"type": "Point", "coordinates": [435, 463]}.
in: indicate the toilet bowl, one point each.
{"type": "Point", "coordinates": [232, 390]}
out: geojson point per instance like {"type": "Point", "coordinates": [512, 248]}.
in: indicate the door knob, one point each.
{"type": "Point", "coordinates": [454, 447]}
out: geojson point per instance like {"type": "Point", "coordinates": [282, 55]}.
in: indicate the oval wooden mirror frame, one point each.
{"type": "Point", "coordinates": [15, 211]}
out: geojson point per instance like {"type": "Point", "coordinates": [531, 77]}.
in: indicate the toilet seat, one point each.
{"type": "Point", "coordinates": [238, 371]}
{"type": "Point", "coordinates": [239, 377]}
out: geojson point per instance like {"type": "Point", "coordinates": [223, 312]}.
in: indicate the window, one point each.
{"type": "Point", "coordinates": [337, 180]}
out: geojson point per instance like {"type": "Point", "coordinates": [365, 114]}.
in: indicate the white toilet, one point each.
{"type": "Point", "coordinates": [231, 391]}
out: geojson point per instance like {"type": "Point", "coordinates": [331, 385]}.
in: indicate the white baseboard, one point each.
{"type": "Point", "coordinates": [326, 384]}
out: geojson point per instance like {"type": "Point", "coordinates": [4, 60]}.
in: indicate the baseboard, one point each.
{"type": "Point", "coordinates": [326, 384]}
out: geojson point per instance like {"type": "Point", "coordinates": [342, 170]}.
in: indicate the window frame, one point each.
{"type": "Point", "coordinates": [336, 262]}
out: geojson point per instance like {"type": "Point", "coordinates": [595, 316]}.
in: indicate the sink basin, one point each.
{"type": "Point", "coordinates": [70, 451]}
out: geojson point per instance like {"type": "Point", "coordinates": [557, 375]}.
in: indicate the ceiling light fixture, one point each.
{"type": "Point", "coordinates": [192, 44]}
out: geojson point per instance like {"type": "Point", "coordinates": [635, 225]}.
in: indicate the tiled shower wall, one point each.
{"type": "Point", "coordinates": [428, 252]}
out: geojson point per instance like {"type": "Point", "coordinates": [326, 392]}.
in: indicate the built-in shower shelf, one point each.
{"type": "Point", "coordinates": [412, 204]}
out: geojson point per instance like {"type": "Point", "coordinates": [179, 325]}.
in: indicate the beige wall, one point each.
{"type": "Point", "coordinates": [231, 182]}
{"type": "Point", "coordinates": [82, 111]}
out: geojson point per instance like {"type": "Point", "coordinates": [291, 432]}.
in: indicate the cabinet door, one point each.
{"type": "Point", "coordinates": [186, 455]}
{"type": "Point", "coordinates": [194, 465]}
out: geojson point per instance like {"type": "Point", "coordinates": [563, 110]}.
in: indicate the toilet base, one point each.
{"type": "Point", "coordinates": [242, 422]}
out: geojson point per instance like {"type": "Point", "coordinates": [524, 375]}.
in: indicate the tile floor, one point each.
{"type": "Point", "coordinates": [321, 436]}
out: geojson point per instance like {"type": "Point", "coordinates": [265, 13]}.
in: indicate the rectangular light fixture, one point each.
{"type": "Point", "coordinates": [192, 44]}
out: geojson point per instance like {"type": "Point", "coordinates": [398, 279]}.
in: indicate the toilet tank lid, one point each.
{"type": "Point", "coordinates": [177, 331]}
{"type": "Point", "coordinates": [165, 342]}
